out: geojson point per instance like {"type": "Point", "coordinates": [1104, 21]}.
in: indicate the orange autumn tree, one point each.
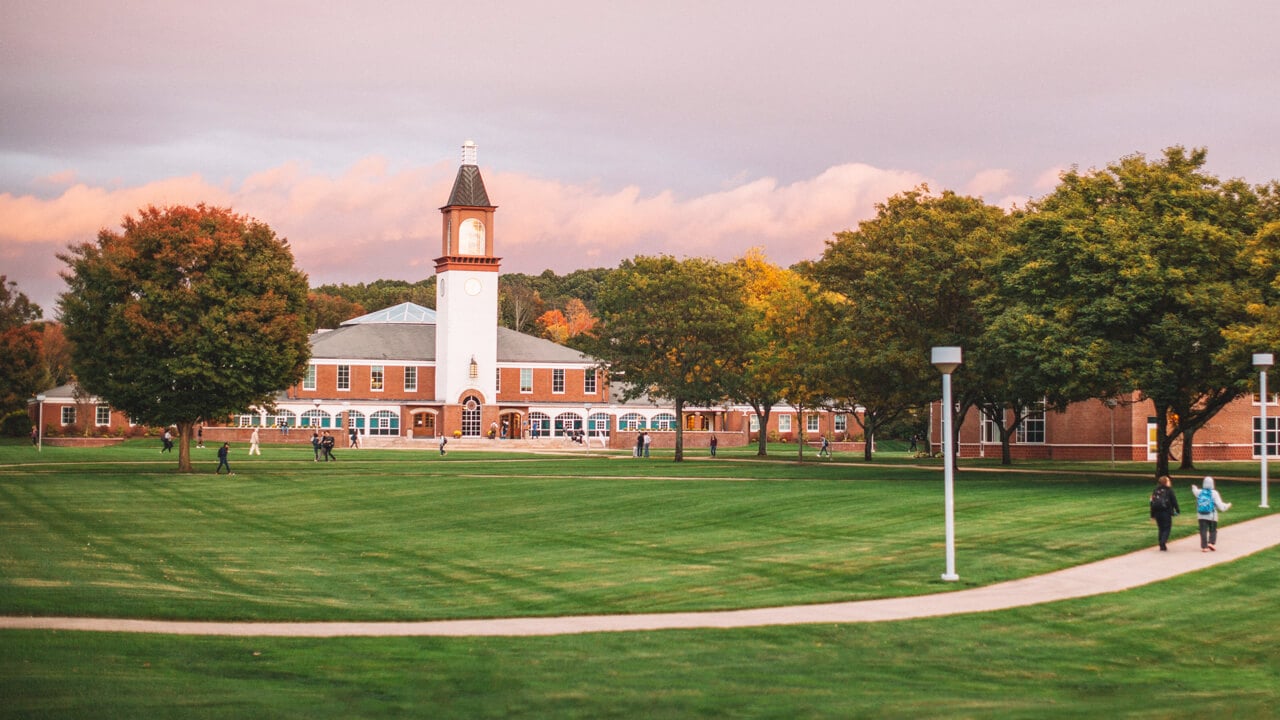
{"type": "Point", "coordinates": [575, 320]}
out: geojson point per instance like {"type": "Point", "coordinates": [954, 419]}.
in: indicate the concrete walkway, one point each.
{"type": "Point", "coordinates": [1106, 576]}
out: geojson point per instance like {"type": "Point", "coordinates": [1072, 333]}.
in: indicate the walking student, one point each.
{"type": "Point", "coordinates": [1208, 503]}
{"type": "Point", "coordinates": [1164, 506]}
{"type": "Point", "coordinates": [222, 459]}
{"type": "Point", "coordinates": [253, 443]}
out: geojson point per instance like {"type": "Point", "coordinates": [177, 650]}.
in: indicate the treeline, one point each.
{"type": "Point", "coordinates": [557, 307]}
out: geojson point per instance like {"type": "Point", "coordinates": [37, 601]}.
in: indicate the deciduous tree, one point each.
{"type": "Point", "coordinates": [189, 314]}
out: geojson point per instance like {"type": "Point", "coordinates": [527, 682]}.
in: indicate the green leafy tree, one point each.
{"type": "Point", "coordinates": [673, 329]}
{"type": "Point", "coordinates": [188, 315]}
{"type": "Point", "coordinates": [1126, 278]}
{"type": "Point", "coordinates": [21, 364]}
{"type": "Point", "coordinates": [908, 279]}
{"type": "Point", "coordinates": [330, 311]}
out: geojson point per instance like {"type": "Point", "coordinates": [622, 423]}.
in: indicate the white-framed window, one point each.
{"type": "Point", "coordinates": [566, 423]}
{"type": "Point", "coordinates": [102, 415]}
{"type": "Point", "coordinates": [376, 375]}
{"type": "Point", "coordinates": [990, 433]}
{"type": "Point", "coordinates": [497, 380]}
{"type": "Point", "coordinates": [754, 422]}
{"type": "Point", "coordinates": [663, 421]}
{"type": "Point", "coordinates": [68, 414]}
{"type": "Point", "coordinates": [557, 381]}
{"type": "Point", "coordinates": [598, 424]}
{"type": "Point", "coordinates": [384, 422]}
{"type": "Point", "coordinates": [784, 423]}
{"type": "Point", "coordinates": [317, 419]}
{"type": "Point", "coordinates": [344, 377]}
{"type": "Point", "coordinates": [811, 422]}
{"type": "Point", "coordinates": [631, 421]}
{"type": "Point", "coordinates": [526, 380]}
{"type": "Point", "coordinates": [539, 424]}
{"type": "Point", "coordinates": [1031, 431]}
{"type": "Point", "coordinates": [589, 382]}
{"type": "Point", "coordinates": [1272, 399]}
{"type": "Point", "coordinates": [1273, 437]}
{"type": "Point", "coordinates": [840, 422]}
{"type": "Point", "coordinates": [411, 379]}
{"type": "Point", "coordinates": [309, 380]}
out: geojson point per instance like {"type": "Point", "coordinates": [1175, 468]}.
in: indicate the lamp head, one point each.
{"type": "Point", "coordinates": [1262, 361]}
{"type": "Point", "coordinates": [947, 358]}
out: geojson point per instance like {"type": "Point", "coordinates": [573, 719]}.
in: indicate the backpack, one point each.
{"type": "Point", "coordinates": [1160, 499]}
{"type": "Point", "coordinates": [1204, 502]}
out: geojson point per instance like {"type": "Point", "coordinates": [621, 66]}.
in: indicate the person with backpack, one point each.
{"type": "Point", "coordinates": [1208, 503]}
{"type": "Point", "coordinates": [1164, 506]}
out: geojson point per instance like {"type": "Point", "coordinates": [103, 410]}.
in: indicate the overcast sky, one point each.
{"type": "Point", "coordinates": [605, 129]}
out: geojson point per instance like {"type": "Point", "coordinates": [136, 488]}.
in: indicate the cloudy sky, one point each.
{"type": "Point", "coordinates": [605, 129]}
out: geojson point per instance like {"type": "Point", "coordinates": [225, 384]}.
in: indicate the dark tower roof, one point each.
{"type": "Point", "coordinates": [468, 188]}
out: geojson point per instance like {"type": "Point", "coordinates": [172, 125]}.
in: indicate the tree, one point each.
{"type": "Point", "coordinates": [20, 347]}
{"type": "Point", "coordinates": [330, 311]}
{"type": "Point", "coordinates": [908, 279]}
{"type": "Point", "coordinates": [674, 329]}
{"type": "Point", "coordinates": [189, 314]}
{"type": "Point", "coordinates": [556, 327]}
{"type": "Point", "coordinates": [1125, 278]}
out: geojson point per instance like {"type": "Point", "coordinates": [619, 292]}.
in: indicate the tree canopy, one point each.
{"type": "Point", "coordinates": [673, 329]}
{"type": "Point", "coordinates": [20, 347]}
{"type": "Point", "coordinates": [189, 314]}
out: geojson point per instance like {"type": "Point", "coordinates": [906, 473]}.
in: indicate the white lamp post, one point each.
{"type": "Point", "coordinates": [40, 420]}
{"type": "Point", "coordinates": [947, 359]}
{"type": "Point", "coordinates": [1262, 361]}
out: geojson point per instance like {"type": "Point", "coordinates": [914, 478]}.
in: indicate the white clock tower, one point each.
{"type": "Point", "coordinates": [467, 301]}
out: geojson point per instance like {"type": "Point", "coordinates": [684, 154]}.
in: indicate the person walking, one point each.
{"type": "Point", "coordinates": [640, 445]}
{"type": "Point", "coordinates": [200, 436]}
{"type": "Point", "coordinates": [326, 446]}
{"type": "Point", "coordinates": [351, 438]}
{"type": "Point", "coordinates": [825, 450]}
{"type": "Point", "coordinates": [166, 441]}
{"type": "Point", "coordinates": [315, 444]}
{"type": "Point", "coordinates": [1208, 503]}
{"type": "Point", "coordinates": [222, 459]}
{"type": "Point", "coordinates": [443, 441]}
{"type": "Point", "coordinates": [1164, 506]}
{"type": "Point", "coordinates": [253, 443]}
{"type": "Point", "coordinates": [714, 444]}
{"type": "Point", "coordinates": [647, 442]}
{"type": "Point", "coordinates": [35, 436]}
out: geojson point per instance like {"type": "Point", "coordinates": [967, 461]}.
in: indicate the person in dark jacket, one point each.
{"type": "Point", "coordinates": [222, 459]}
{"type": "Point", "coordinates": [1164, 505]}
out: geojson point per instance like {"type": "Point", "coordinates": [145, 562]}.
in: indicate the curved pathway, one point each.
{"type": "Point", "coordinates": [1105, 576]}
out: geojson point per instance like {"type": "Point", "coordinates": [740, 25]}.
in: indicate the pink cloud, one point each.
{"type": "Point", "coordinates": [374, 221]}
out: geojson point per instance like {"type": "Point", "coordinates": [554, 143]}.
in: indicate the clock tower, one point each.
{"type": "Point", "coordinates": [467, 302]}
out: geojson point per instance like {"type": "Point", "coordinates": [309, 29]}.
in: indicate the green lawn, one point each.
{"type": "Point", "coordinates": [394, 535]}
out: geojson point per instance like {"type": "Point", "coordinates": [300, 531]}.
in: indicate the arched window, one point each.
{"type": "Point", "coordinates": [566, 424]}
{"type": "Point", "coordinates": [663, 421]}
{"type": "Point", "coordinates": [355, 419]}
{"type": "Point", "coordinates": [384, 422]}
{"type": "Point", "coordinates": [317, 419]}
{"type": "Point", "coordinates": [631, 421]}
{"type": "Point", "coordinates": [287, 417]}
{"type": "Point", "coordinates": [471, 416]}
{"type": "Point", "coordinates": [539, 424]}
{"type": "Point", "coordinates": [598, 425]}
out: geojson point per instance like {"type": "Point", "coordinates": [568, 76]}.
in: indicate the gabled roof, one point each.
{"type": "Point", "coordinates": [517, 347]}
{"type": "Point", "coordinates": [468, 188]}
{"type": "Point", "coordinates": [403, 313]}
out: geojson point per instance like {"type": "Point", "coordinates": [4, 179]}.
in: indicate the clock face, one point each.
{"type": "Point", "coordinates": [471, 237]}
{"type": "Point", "coordinates": [472, 287]}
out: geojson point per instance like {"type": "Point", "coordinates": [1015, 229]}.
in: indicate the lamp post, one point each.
{"type": "Point", "coordinates": [586, 427]}
{"type": "Point", "coordinates": [40, 423]}
{"type": "Point", "coordinates": [947, 359]}
{"type": "Point", "coordinates": [1262, 361]}
{"type": "Point", "coordinates": [315, 417]}
{"type": "Point", "coordinates": [1111, 405]}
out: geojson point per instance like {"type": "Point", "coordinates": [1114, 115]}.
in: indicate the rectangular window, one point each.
{"type": "Point", "coordinates": [784, 423]}
{"type": "Point", "coordinates": [589, 382]}
{"type": "Point", "coordinates": [375, 378]}
{"type": "Point", "coordinates": [344, 377]}
{"type": "Point", "coordinates": [497, 380]}
{"type": "Point", "coordinates": [811, 423]}
{"type": "Point", "coordinates": [1031, 430]}
{"type": "Point", "coordinates": [557, 381]}
{"type": "Point", "coordinates": [526, 380]}
{"type": "Point", "coordinates": [68, 414]}
{"type": "Point", "coordinates": [990, 433]}
{"type": "Point", "coordinates": [411, 379]}
{"type": "Point", "coordinates": [754, 424]}
{"type": "Point", "coordinates": [102, 415]}
{"type": "Point", "coordinates": [841, 422]}
{"type": "Point", "coordinates": [309, 381]}
{"type": "Point", "coordinates": [1273, 437]}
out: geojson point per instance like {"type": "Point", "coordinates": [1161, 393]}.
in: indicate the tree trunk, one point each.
{"type": "Point", "coordinates": [762, 440]}
{"type": "Point", "coordinates": [679, 429]}
{"type": "Point", "coordinates": [800, 432]}
{"type": "Point", "coordinates": [184, 446]}
{"type": "Point", "coordinates": [1162, 442]}
{"type": "Point", "coordinates": [1188, 462]}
